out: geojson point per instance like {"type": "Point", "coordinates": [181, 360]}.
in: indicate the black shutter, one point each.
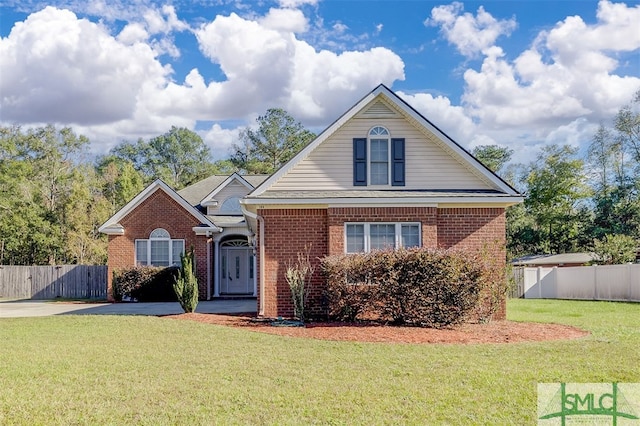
{"type": "Point", "coordinates": [397, 165]}
{"type": "Point", "coordinates": [359, 162]}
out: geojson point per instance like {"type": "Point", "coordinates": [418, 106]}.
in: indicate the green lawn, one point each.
{"type": "Point", "coordinates": [147, 370]}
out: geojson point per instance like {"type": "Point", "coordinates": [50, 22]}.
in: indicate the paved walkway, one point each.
{"type": "Point", "coordinates": [41, 308]}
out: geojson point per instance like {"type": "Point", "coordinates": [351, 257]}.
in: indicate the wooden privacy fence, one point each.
{"type": "Point", "coordinates": [50, 282]}
{"type": "Point", "coordinates": [604, 282]}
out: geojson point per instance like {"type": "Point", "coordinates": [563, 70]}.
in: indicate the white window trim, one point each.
{"type": "Point", "coordinates": [148, 241]}
{"type": "Point", "coordinates": [369, 168]}
{"type": "Point", "coordinates": [367, 234]}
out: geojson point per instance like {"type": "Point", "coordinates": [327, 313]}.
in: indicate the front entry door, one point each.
{"type": "Point", "coordinates": [236, 270]}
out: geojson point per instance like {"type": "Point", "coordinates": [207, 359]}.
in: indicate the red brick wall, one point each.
{"type": "Point", "coordinates": [158, 211]}
{"type": "Point", "coordinates": [476, 229]}
{"type": "Point", "coordinates": [287, 231]}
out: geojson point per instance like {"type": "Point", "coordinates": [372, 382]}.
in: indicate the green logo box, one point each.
{"type": "Point", "coordinates": [588, 403]}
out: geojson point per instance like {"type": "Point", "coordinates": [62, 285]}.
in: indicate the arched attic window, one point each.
{"type": "Point", "coordinates": [379, 156]}
{"type": "Point", "coordinates": [159, 249]}
{"type": "Point", "coordinates": [231, 206]}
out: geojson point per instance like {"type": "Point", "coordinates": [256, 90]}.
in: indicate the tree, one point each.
{"type": "Point", "coordinates": [493, 156]}
{"type": "Point", "coordinates": [85, 209]}
{"type": "Point", "coordinates": [614, 158]}
{"type": "Point", "coordinates": [627, 123]}
{"type": "Point", "coordinates": [615, 250]}
{"type": "Point", "coordinates": [556, 188]}
{"type": "Point", "coordinates": [121, 181]}
{"type": "Point", "coordinates": [36, 176]}
{"type": "Point", "coordinates": [278, 138]}
{"type": "Point", "coordinates": [186, 283]}
{"type": "Point", "coordinates": [179, 157]}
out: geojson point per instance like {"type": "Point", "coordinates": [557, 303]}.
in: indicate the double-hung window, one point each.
{"type": "Point", "coordinates": [159, 249]}
{"type": "Point", "coordinates": [364, 237]}
{"type": "Point", "coordinates": [379, 156]}
{"type": "Point", "coordinates": [378, 159]}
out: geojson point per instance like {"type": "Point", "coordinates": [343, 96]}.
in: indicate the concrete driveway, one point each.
{"type": "Point", "coordinates": [42, 308]}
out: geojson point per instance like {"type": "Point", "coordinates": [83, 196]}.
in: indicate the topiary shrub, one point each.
{"type": "Point", "coordinates": [186, 284]}
{"type": "Point", "coordinates": [144, 284]}
{"type": "Point", "coordinates": [422, 287]}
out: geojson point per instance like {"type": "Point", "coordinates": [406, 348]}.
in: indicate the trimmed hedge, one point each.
{"type": "Point", "coordinates": [421, 287]}
{"type": "Point", "coordinates": [145, 284]}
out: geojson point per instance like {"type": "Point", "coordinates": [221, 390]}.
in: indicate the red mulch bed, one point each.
{"type": "Point", "coordinates": [493, 332]}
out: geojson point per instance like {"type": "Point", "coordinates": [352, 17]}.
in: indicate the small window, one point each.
{"type": "Point", "coordinates": [158, 250]}
{"type": "Point", "coordinates": [379, 156]}
{"type": "Point", "coordinates": [364, 237]}
{"type": "Point", "coordinates": [231, 206]}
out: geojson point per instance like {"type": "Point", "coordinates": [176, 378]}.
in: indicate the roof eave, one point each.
{"type": "Point", "coordinates": [504, 201]}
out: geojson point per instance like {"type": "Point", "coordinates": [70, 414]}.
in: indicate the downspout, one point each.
{"type": "Point", "coordinates": [208, 236]}
{"type": "Point", "coordinates": [260, 221]}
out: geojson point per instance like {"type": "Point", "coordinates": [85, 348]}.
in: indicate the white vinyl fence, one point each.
{"type": "Point", "coordinates": [610, 282]}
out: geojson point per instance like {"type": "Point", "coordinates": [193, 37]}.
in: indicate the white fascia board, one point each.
{"type": "Point", "coordinates": [207, 201]}
{"type": "Point", "coordinates": [146, 193]}
{"type": "Point", "coordinates": [385, 202]}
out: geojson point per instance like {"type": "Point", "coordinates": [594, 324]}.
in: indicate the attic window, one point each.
{"type": "Point", "coordinates": [231, 206]}
{"type": "Point", "coordinates": [378, 159]}
{"type": "Point", "coordinates": [379, 156]}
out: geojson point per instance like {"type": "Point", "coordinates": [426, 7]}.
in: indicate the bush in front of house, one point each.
{"type": "Point", "coordinates": [144, 284]}
{"type": "Point", "coordinates": [422, 287]}
{"type": "Point", "coordinates": [185, 283]}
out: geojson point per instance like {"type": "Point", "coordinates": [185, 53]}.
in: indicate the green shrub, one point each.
{"type": "Point", "coordinates": [423, 287]}
{"type": "Point", "coordinates": [144, 284]}
{"type": "Point", "coordinates": [186, 283]}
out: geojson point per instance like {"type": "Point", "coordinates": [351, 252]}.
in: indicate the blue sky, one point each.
{"type": "Point", "coordinates": [514, 73]}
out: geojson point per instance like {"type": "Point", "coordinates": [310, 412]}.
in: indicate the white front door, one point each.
{"type": "Point", "coordinates": [236, 270]}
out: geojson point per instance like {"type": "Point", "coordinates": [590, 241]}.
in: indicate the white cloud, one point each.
{"type": "Point", "coordinates": [58, 68]}
{"type": "Point", "coordinates": [451, 119]}
{"type": "Point", "coordinates": [266, 68]}
{"type": "Point", "coordinates": [471, 35]}
{"type": "Point", "coordinates": [163, 21]}
{"type": "Point", "coordinates": [220, 140]}
{"type": "Point", "coordinates": [133, 33]}
{"type": "Point", "coordinates": [297, 3]}
{"type": "Point", "coordinates": [287, 20]}
{"type": "Point", "coordinates": [569, 72]}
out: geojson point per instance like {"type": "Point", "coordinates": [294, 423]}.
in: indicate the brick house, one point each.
{"type": "Point", "coordinates": [380, 176]}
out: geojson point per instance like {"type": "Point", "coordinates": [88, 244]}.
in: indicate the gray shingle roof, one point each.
{"type": "Point", "coordinates": [196, 192]}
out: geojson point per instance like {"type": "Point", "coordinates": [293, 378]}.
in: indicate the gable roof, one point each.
{"type": "Point", "coordinates": [113, 227]}
{"type": "Point", "coordinates": [502, 187]}
{"type": "Point", "coordinates": [208, 187]}
{"type": "Point", "coordinates": [235, 177]}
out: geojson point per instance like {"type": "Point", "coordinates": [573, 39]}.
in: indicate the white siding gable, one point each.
{"type": "Point", "coordinates": [233, 189]}
{"type": "Point", "coordinates": [429, 162]}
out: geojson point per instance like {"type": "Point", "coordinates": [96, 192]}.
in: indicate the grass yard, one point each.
{"type": "Point", "coordinates": [153, 371]}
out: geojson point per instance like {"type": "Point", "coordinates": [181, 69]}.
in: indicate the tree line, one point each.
{"type": "Point", "coordinates": [54, 195]}
{"type": "Point", "coordinates": [578, 202]}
